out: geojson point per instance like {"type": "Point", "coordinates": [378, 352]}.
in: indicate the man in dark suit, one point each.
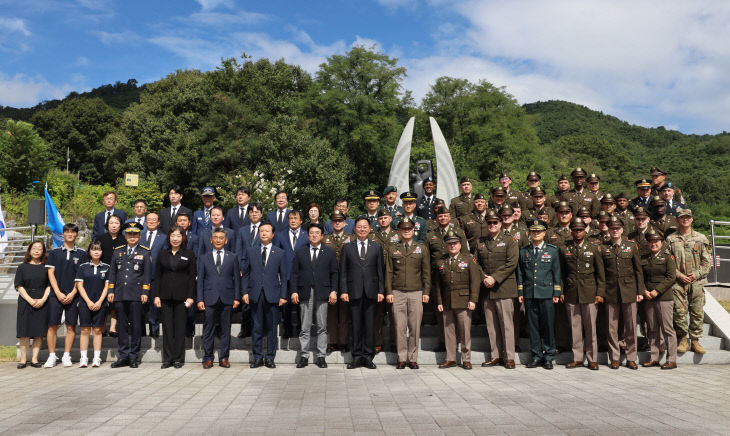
{"type": "Point", "coordinates": [290, 241]}
{"type": "Point", "coordinates": [264, 289]}
{"type": "Point", "coordinates": [246, 237]}
{"type": "Point", "coordinates": [140, 213]}
{"type": "Point", "coordinates": [168, 215]}
{"type": "Point", "coordinates": [204, 238]}
{"type": "Point", "coordinates": [219, 292]}
{"type": "Point", "coordinates": [201, 217]}
{"type": "Point", "coordinates": [237, 217]}
{"type": "Point", "coordinates": [280, 216]}
{"type": "Point", "coordinates": [154, 240]}
{"type": "Point", "coordinates": [110, 200]}
{"type": "Point", "coordinates": [313, 283]}
{"type": "Point", "coordinates": [362, 285]}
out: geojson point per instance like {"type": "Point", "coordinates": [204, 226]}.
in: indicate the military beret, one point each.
{"type": "Point", "coordinates": [479, 196]}
{"type": "Point", "coordinates": [441, 209]}
{"type": "Point", "coordinates": [578, 172]}
{"type": "Point", "coordinates": [533, 175]}
{"type": "Point", "coordinates": [506, 209]}
{"type": "Point", "coordinates": [653, 235]}
{"type": "Point", "coordinates": [603, 216]}
{"type": "Point", "coordinates": [615, 222]}
{"type": "Point", "coordinates": [362, 217]}
{"type": "Point", "coordinates": [465, 179]}
{"type": "Point", "coordinates": [337, 216]}
{"type": "Point", "coordinates": [642, 184]}
{"type": "Point", "coordinates": [208, 191]}
{"type": "Point", "coordinates": [563, 177]}
{"type": "Point", "coordinates": [640, 211]}
{"type": "Point", "coordinates": [621, 195]}
{"type": "Point", "coordinates": [132, 227]}
{"type": "Point", "coordinates": [451, 236]}
{"type": "Point", "coordinates": [371, 195]}
{"type": "Point", "coordinates": [405, 222]}
{"type": "Point", "coordinates": [538, 191]}
{"type": "Point", "coordinates": [577, 223]}
{"type": "Point", "coordinates": [608, 198]}
{"type": "Point", "coordinates": [593, 178]}
{"type": "Point", "coordinates": [390, 188]}
{"type": "Point", "coordinates": [383, 212]}
{"type": "Point", "coordinates": [499, 190]}
{"type": "Point", "coordinates": [583, 212]}
{"type": "Point", "coordinates": [536, 225]}
{"type": "Point", "coordinates": [408, 196]}
{"type": "Point", "coordinates": [504, 175]}
{"type": "Point", "coordinates": [683, 212]}
{"type": "Point", "coordinates": [563, 206]}
{"type": "Point", "coordinates": [668, 185]}
{"type": "Point", "coordinates": [492, 215]}
{"type": "Point", "coordinates": [654, 171]}
{"type": "Point", "coordinates": [428, 179]}
{"type": "Point", "coordinates": [657, 200]}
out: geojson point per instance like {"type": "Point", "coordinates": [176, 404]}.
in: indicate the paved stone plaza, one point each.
{"type": "Point", "coordinates": [694, 399]}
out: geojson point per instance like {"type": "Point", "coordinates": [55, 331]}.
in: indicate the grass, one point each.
{"type": "Point", "coordinates": [725, 304]}
{"type": "Point", "coordinates": [7, 353]}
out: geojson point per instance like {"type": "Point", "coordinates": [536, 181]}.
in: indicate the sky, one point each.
{"type": "Point", "coordinates": [651, 63]}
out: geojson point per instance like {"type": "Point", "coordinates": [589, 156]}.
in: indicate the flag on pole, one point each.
{"type": "Point", "coordinates": [3, 233]}
{"type": "Point", "coordinates": [55, 221]}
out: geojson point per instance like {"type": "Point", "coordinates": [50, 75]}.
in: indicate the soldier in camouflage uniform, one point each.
{"type": "Point", "coordinates": [338, 315]}
{"type": "Point", "coordinates": [464, 203]}
{"type": "Point", "coordinates": [693, 254]}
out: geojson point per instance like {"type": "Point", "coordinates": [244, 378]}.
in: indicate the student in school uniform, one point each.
{"type": "Point", "coordinates": [92, 287]}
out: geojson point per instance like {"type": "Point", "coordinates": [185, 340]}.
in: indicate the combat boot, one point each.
{"type": "Point", "coordinates": [682, 345]}
{"type": "Point", "coordinates": [697, 348]}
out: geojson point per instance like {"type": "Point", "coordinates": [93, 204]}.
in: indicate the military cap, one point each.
{"type": "Point", "coordinates": [603, 216]}
{"type": "Point", "coordinates": [577, 223]}
{"type": "Point", "coordinates": [621, 195]}
{"type": "Point", "coordinates": [583, 211]}
{"type": "Point", "coordinates": [390, 188]}
{"type": "Point", "coordinates": [208, 191]}
{"type": "Point", "coordinates": [383, 212]}
{"type": "Point", "coordinates": [504, 174]}
{"type": "Point", "coordinates": [441, 209]}
{"type": "Point", "coordinates": [643, 184]}
{"type": "Point", "coordinates": [538, 191]}
{"type": "Point", "coordinates": [371, 195]}
{"type": "Point", "coordinates": [563, 177]}
{"type": "Point", "coordinates": [536, 225]}
{"type": "Point", "coordinates": [542, 212]}
{"type": "Point", "coordinates": [682, 212]}
{"type": "Point", "coordinates": [465, 179]}
{"type": "Point", "coordinates": [428, 179]}
{"type": "Point", "coordinates": [593, 178]}
{"type": "Point", "coordinates": [506, 209]}
{"type": "Point", "coordinates": [405, 222]}
{"type": "Point", "coordinates": [499, 190]}
{"type": "Point", "coordinates": [362, 217]}
{"type": "Point", "coordinates": [654, 171]}
{"type": "Point", "coordinates": [668, 185]}
{"type": "Point", "coordinates": [132, 227]}
{"type": "Point", "coordinates": [563, 206]}
{"type": "Point", "coordinates": [492, 215]}
{"type": "Point", "coordinates": [439, 201]}
{"type": "Point", "coordinates": [578, 172]}
{"type": "Point", "coordinates": [515, 205]}
{"type": "Point", "coordinates": [657, 200]}
{"type": "Point", "coordinates": [653, 235]}
{"type": "Point", "coordinates": [608, 198]}
{"type": "Point", "coordinates": [451, 236]}
{"type": "Point", "coordinates": [408, 196]}
{"type": "Point", "coordinates": [640, 211]}
{"type": "Point", "coordinates": [615, 222]}
{"type": "Point", "coordinates": [479, 196]}
{"type": "Point", "coordinates": [533, 175]}
{"type": "Point", "coordinates": [337, 216]}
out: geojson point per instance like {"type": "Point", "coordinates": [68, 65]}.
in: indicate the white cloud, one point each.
{"type": "Point", "coordinates": [126, 36]}
{"type": "Point", "coordinates": [23, 91]}
{"type": "Point", "coordinates": [209, 5]}
{"type": "Point", "coordinates": [224, 19]}
{"type": "Point", "coordinates": [14, 25]}
{"type": "Point", "coordinates": [82, 61]}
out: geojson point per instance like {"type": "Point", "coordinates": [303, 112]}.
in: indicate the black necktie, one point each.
{"type": "Point", "coordinates": [362, 250]}
{"type": "Point", "coordinates": [173, 214]}
{"type": "Point", "coordinates": [108, 214]}
{"type": "Point", "coordinates": [253, 234]}
{"type": "Point", "coordinates": [218, 262]}
{"type": "Point", "coordinates": [281, 214]}
{"type": "Point", "coordinates": [314, 256]}
{"type": "Point", "coordinates": [536, 250]}
{"type": "Point", "coordinates": [240, 214]}
{"type": "Point", "coordinates": [149, 239]}
{"type": "Point", "coordinates": [407, 246]}
{"type": "Point", "coordinates": [263, 257]}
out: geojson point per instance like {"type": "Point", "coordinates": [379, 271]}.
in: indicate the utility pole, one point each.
{"type": "Point", "coordinates": [68, 157]}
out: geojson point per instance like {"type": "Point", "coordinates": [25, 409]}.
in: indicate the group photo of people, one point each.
{"type": "Point", "coordinates": [576, 270]}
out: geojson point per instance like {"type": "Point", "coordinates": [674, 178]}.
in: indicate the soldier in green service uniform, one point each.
{"type": "Point", "coordinates": [584, 287]}
{"type": "Point", "coordinates": [497, 255]}
{"type": "Point", "coordinates": [464, 203]}
{"type": "Point", "coordinates": [601, 233]}
{"type": "Point", "coordinates": [538, 286]}
{"type": "Point", "coordinates": [372, 203]}
{"type": "Point", "coordinates": [693, 253]}
{"type": "Point", "coordinates": [505, 181]}
{"type": "Point", "coordinates": [580, 195]}
{"type": "Point", "coordinates": [533, 181]}
{"type": "Point", "coordinates": [514, 228]}
{"type": "Point", "coordinates": [338, 315]}
{"type": "Point", "coordinates": [473, 224]}
{"type": "Point", "coordinates": [663, 223]}
{"type": "Point", "coordinates": [391, 194]}
{"type": "Point", "coordinates": [407, 287]}
{"type": "Point", "coordinates": [539, 197]}
{"type": "Point", "coordinates": [641, 226]}
{"type": "Point", "coordinates": [658, 180]}
{"type": "Point", "coordinates": [622, 210]}
{"type": "Point", "coordinates": [594, 183]}
{"type": "Point", "coordinates": [432, 224]}
{"type": "Point", "coordinates": [497, 199]}
{"type": "Point", "coordinates": [560, 233]}
{"type": "Point", "coordinates": [562, 193]}
{"type": "Point", "coordinates": [409, 210]}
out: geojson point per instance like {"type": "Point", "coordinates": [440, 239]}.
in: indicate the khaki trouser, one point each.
{"type": "Point", "coordinates": [499, 315]}
{"type": "Point", "coordinates": [338, 323]}
{"type": "Point", "coordinates": [407, 315]}
{"type": "Point", "coordinates": [613, 311]}
{"type": "Point", "coordinates": [457, 330]}
{"type": "Point", "coordinates": [583, 317]}
{"type": "Point", "coordinates": [659, 316]}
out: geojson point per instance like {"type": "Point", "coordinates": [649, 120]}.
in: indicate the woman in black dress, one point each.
{"type": "Point", "coordinates": [110, 240]}
{"type": "Point", "coordinates": [173, 291]}
{"type": "Point", "coordinates": [31, 281]}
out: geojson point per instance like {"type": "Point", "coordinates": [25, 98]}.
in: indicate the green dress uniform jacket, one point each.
{"type": "Point", "coordinates": [660, 272]}
{"type": "Point", "coordinates": [407, 270]}
{"type": "Point", "coordinates": [437, 246]}
{"type": "Point", "coordinates": [420, 227]}
{"type": "Point", "coordinates": [519, 232]}
{"type": "Point", "coordinates": [498, 258]}
{"type": "Point", "coordinates": [627, 218]}
{"type": "Point", "coordinates": [461, 205]}
{"type": "Point", "coordinates": [336, 242]}
{"type": "Point", "coordinates": [586, 199]}
{"type": "Point", "coordinates": [640, 238]}
{"type": "Point", "coordinates": [558, 236]}
{"type": "Point", "coordinates": [666, 225]}
{"type": "Point", "coordinates": [457, 281]}
{"type": "Point", "coordinates": [475, 227]}
{"type": "Point", "coordinates": [385, 239]}
{"type": "Point", "coordinates": [538, 276]}
{"type": "Point", "coordinates": [584, 276]}
{"type": "Point", "coordinates": [624, 274]}
{"type": "Point", "coordinates": [395, 211]}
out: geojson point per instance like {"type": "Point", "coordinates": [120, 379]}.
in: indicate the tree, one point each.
{"type": "Point", "coordinates": [25, 155]}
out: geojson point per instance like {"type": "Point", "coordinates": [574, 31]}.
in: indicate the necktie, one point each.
{"type": "Point", "coordinates": [240, 214]}
{"type": "Point", "coordinates": [173, 213]}
{"type": "Point", "coordinates": [108, 214]}
{"type": "Point", "coordinates": [130, 251]}
{"type": "Point", "coordinates": [337, 238]}
{"type": "Point", "coordinates": [443, 232]}
{"type": "Point", "coordinates": [253, 234]}
{"type": "Point", "coordinates": [139, 221]}
{"type": "Point", "coordinates": [314, 256]}
{"type": "Point", "coordinates": [263, 257]}
{"type": "Point", "coordinates": [407, 246]}
{"type": "Point", "coordinates": [218, 262]}
{"type": "Point", "coordinates": [536, 250]}
{"type": "Point", "coordinates": [294, 241]}
{"type": "Point", "coordinates": [207, 215]}
{"type": "Point", "coordinates": [281, 216]}
{"type": "Point", "coordinates": [149, 239]}
{"type": "Point", "coordinates": [362, 250]}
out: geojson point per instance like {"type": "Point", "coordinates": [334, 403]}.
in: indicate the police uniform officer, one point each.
{"type": "Point", "coordinates": [624, 288]}
{"type": "Point", "coordinates": [338, 315]}
{"type": "Point", "coordinates": [457, 283]}
{"type": "Point", "coordinates": [425, 204]}
{"type": "Point", "coordinates": [391, 194]}
{"type": "Point", "coordinates": [663, 223]}
{"type": "Point", "coordinates": [474, 224]}
{"type": "Point", "coordinates": [130, 275]}
{"type": "Point", "coordinates": [372, 204]}
{"type": "Point", "coordinates": [538, 286]}
{"type": "Point", "coordinates": [584, 287]}
{"type": "Point", "coordinates": [497, 254]}
{"type": "Point", "coordinates": [408, 199]}
{"type": "Point", "coordinates": [464, 203]}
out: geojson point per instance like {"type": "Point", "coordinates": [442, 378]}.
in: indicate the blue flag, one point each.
{"type": "Point", "coordinates": [55, 221]}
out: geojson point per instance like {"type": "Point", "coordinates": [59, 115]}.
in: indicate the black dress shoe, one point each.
{"type": "Point", "coordinates": [113, 334]}
{"type": "Point", "coordinates": [257, 363]}
{"type": "Point", "coordinates": [369, 364]}
{"type": "Point", "coordinates": [344, 348]}
{"type": "Point", "coordinates": [155, 334]}
{"type": "Point", "coordinates": [534, 364]}
{"type": "Point", "coordinates": [36, 365]}
{"type": "Point", "coordinates": [244, 333]}
{"type": "Point", "coordinates": [353, 365]}
{"type": "Point", "coordinates": [134, 364]}
{"type": "Point", "coordinates": [303, 361]}
{"type": "Point", "coordinates": [165, 365]}
{"type": "Point", "coordinates": [178, 365]}
{"type": "Point", "coordinates": [321, 363]}
{"type": "Point", "coordinates": [548, 364]}
{"type": "Point", "coordinates": [120, 363]}
{"type": "Point", "coordinates": [22, 365]}
{"type": "Point", "coordinates": [269, 363]}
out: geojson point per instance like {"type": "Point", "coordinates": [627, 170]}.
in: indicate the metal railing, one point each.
{"type": "Point", "coordinates": [15, 246]}
{"type": "Point", "coordinates": [716, 259]}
